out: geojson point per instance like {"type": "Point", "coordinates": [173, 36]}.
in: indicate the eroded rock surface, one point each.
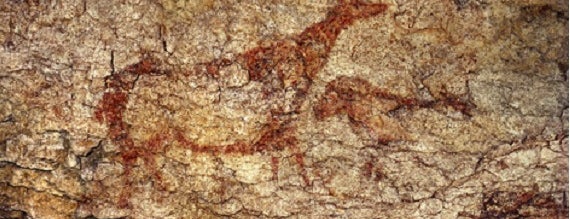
{"type": "Point", "coordinates": [358, 109]}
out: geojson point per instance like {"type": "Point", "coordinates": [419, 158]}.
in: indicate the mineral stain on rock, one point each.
{"type": "Point", "coordinates": [500, 204]}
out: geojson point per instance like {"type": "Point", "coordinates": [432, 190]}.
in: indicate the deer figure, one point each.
{"type": "Point", "coordinates": [285, 71]}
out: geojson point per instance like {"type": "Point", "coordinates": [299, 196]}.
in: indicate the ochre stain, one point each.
{"type": "Point", "coordinates": [529, 204]}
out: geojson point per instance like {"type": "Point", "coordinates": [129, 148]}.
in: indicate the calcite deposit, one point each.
{"type": "Point", "coordinates": [310, 109]}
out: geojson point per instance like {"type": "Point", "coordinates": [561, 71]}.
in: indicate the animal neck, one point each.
{"type": "Point", "coordinates": [340, 17]}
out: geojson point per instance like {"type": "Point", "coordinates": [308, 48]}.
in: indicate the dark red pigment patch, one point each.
{"type": "Point", "coordinates": [530, 204]}
{"type": "Point", "coordinates": [373, 170]}
{"type": "Point", "coordinates": [291, 63]}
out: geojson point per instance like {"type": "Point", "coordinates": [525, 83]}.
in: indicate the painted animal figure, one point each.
{"type": "Point", "coordinates": [278, 76]}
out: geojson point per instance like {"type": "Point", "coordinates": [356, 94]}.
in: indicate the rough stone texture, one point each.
{"type": "Point", "coordinates": [353, 109]}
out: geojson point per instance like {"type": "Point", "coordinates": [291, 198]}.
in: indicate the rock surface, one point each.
{"type": "Point", "coordinates": [353, 109]}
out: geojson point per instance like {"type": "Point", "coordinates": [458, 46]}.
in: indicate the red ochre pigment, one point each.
{"type": "Point", "coordinates": [306, 54]}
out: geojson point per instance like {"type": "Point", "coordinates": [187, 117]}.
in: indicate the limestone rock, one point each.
{"type": "Point", "coordinates": [351, 108]}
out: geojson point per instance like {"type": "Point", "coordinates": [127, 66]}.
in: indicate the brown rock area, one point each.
{"type": "Point", "coordinates": [310, 109]}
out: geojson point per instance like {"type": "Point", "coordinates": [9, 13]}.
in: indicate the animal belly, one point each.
{"type": "Point", "coordinates": [201, 111]}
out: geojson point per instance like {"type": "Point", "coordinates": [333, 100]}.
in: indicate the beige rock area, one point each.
{"type": "Point", "coordinates": [284, 108]}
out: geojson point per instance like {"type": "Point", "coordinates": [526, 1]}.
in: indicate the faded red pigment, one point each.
{"type": "Point", "coordinates": [292, 63]}
{"type": "Point", "coordinates": [343, 94]}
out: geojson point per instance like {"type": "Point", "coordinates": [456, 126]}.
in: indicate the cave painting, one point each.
{"type": "Point", "coordinates": [277, 76]}
{"type": "Point", "coordinates": [370, 107]}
